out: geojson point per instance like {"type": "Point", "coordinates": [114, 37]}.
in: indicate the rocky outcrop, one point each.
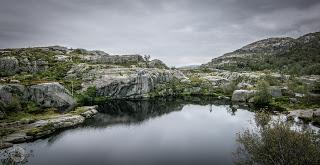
{"type": "Point", "coordinates": [263, 47]}
{"type": "Point", "coordinates": [45, 95]}
{"type": "Point", "coordinates": [123, 82]}
{"type": "Point", "coordinates": [306, 115]}
{"type": "Point", "coordinates": [11, 93]}
{"type": "Point", "coordinates": [51, 95]}
{"type": "Point", "coordinates": [157, 64]}
{"type": "Point", "coordinates": [11, 65]}
{"type": "Point", "coordinates": [273, 54]}
{"type": "Point", "coordinates": [242, 95]}
{"type": "Point", "coordinates": [45, 127]}
{"type": "Point", "coordinates": [8, 66]}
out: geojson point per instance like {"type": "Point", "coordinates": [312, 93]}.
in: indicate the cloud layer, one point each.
{"type": "Point", "coordinates": [179, 32]}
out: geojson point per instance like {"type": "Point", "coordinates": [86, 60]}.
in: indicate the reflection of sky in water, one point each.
{"type": "Point", "coordinates": [193, 135]}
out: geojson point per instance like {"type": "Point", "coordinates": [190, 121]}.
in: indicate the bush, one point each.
{"type": "Point", "coordinates": [262, 97]}
{"type": "Point", "coordinates": [90, 97]}
{"type": "Point", "coordinates": [32, 107]}
{"type": "Point", "coordinates": [277, 143]}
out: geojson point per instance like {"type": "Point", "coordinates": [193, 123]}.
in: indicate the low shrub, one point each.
{"type": "Point", "coordinates": [277, 143]}
{"type": "Point", "coordinates": [263, 96]}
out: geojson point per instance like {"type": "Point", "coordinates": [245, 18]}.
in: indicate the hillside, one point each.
{"type": "Point", "coordinates": [299, 56]}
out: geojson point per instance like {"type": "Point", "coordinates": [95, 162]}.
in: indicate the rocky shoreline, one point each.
{"type": "Point", "coordinates": [32, 130]}
{"type": "Point", "coordinates": [36, 83]}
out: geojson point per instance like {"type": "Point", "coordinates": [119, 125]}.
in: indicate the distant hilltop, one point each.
{"type": "Point", "coordinates": [289, 55]}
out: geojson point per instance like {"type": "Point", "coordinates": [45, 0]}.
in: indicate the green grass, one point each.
{"type": "Point", "coordinates": [25, 116]}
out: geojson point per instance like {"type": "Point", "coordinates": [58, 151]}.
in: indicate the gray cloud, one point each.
{"type": "Point", "coordinates": [180, 32]}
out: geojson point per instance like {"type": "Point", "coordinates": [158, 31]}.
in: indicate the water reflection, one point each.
{"type": "Point", "coordinates": [136, 111]}
{"type": "Point", "coordinates": [190, 130]}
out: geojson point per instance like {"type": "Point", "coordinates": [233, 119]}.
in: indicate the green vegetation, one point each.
{"type": "Point", "coordinates": [277, 143]}
{"type": "Point", "coordinates": [27, 116]}
{"type": "Point", "coordinates": [195, 87]}
{"type": "Point", "coordinates": [301, 59]}
{"type": "Point", "coordinates": [262, 97]}
{"type": "Point", "coordinates": [90, 97]}
{"type": "Point", "coordinates": [38, 130]}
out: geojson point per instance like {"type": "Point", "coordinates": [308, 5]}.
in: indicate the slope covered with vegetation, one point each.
{"type": "Point", "coordinates": [299, 56]}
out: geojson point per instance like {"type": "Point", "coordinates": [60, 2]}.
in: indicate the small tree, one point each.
{"type": "Point", "coordinates": [263, 96]}
{"type": "Point", "coordinates": [147, 60]}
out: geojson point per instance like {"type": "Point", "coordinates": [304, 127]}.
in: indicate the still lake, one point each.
{"type": "Point", "coordinates": [160, 131]}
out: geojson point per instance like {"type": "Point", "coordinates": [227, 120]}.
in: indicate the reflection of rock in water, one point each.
{"type": "Point", "coordinates": [136, 111]}
{"type": "Point", "coordinates": [133, 111]}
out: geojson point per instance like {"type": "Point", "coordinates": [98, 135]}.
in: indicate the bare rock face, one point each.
{"type": "Point", "coordinates": [45, 95]}
{"type": "Point", "coordinates": [11, 93]}
{"type": "Point", "coordinates": [123, 82]}
{"type": "Point", "coordinates": [132, 84]}
{"type": "Point", "coordinates": [52, 95]}
{"type": "Point", "coordinates": [242, 95]}
{"type": "Point", "coordinates": [11, 65]}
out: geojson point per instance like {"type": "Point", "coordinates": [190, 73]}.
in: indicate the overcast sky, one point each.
{"type": "Point", "coordinates": [179, 32]}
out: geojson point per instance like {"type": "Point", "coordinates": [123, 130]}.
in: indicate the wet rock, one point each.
{"type": "Point", "coordinates": [5, 145]}
{"type": "Point", "coordinates": [17, 137]}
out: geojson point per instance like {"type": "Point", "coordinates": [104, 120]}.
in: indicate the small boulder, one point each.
{"type": "Point", "coordinates": [275, 91]}
{"type": "Point", "coordinates": [62, 58]}
{"type": "Point", "coordinates": [242, 95]}
{"type": "Point", "coordinates": [90, 111]}
{"type": "Point", "coordinates": [244, 85]}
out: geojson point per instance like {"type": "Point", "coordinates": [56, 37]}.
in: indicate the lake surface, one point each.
{"type": "Point", "coordinates": [171, 131]}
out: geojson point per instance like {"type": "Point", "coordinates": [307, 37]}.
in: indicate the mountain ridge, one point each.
{"type": "Point", "coordinates": [271, 53]}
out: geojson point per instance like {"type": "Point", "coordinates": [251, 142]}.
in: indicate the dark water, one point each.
{"type": "Point", "coordinates": [175, 131]}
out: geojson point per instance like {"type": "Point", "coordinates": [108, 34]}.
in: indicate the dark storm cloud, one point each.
{"type": "Point", "coordinates": [179, 32]}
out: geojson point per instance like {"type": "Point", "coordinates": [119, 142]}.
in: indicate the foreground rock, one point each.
{"type": "Point", "coordinates": [45, 95]}
{"type": "Point", "coordinates": [306, 115]}
{"type": "Point", "coordinates": [52, 95]}
{"type": "Point", "coordinates": [45, 127]}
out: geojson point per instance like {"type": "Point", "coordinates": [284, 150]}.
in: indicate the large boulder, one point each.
{"type": "Point", "coordinates": [45, 95]}
{"type": "Point", "coordinates": [242, 95]}
{"type": "Point", "coordinates": [52, 95]}
{"type": "Point", "coordinates": [8, 66]}
{"type": "Point", "coordinates": [11, 93]}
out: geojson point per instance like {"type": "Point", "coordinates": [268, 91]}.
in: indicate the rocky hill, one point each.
{"type": "Point", "coordinates": [292, 56]}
